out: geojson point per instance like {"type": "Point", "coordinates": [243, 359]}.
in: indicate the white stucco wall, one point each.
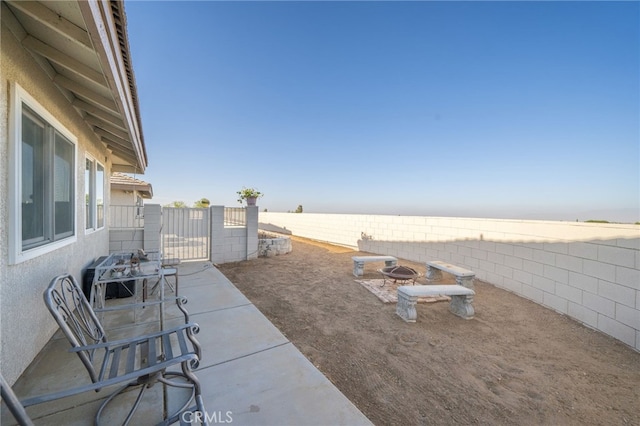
{"type": "Point", "coordinates": [590, 272]}
{"type": "Point", "coordinates": [25, 324]}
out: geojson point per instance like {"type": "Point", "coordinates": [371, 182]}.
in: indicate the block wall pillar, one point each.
{"type": "Point", "coordinates": [216, 213]}
{"type": "Point", "coordinates": [152, 227]}
{"type": "Point", "coordinates": [252, 232]}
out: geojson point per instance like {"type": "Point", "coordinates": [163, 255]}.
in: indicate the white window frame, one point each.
{"type": "Point", "coordinates": [94, 225]}
{"type": "Point", "coordinates": [17, 254]}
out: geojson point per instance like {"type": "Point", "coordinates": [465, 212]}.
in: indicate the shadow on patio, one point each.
{"type": "Point", "coordinates": [251, 374]}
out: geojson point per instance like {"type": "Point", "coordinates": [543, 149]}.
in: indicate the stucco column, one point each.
{"type": "Point", "coordinates": [152, 227]}
{"type": "Point", "coordinates": [252, 232]}
{"type": "Point", "coordinates": [216, 214]}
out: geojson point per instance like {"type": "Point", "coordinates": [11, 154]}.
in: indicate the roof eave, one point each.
{"type": "Point", "coordinates": [110, 41]}
{"type": "Point", "coordinates": [145, 191]}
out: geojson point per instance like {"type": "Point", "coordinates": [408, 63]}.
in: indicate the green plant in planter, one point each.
{"type": "Point", "coordinates": [202, 203]}
{"type": "Point", "coordinates": [250, 195]}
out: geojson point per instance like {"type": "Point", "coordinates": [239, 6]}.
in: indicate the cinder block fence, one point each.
{"type": "Point", "coordinates": [233, 243]}
{"type": "Point", "coordinates": [229, 241]}
{"type": "Point", "coordinates": [588, 271]}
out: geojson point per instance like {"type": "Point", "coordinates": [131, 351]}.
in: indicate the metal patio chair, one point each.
{"type": "Point", "coordinates": [136, 361]}
{"type": "Point", "coordinates": [13, 404]}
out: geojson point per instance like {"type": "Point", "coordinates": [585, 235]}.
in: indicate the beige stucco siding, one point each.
{"type": "Point", "coordinates": [25, 324]}
{"type": "Point", "coordinates": [123, 198]}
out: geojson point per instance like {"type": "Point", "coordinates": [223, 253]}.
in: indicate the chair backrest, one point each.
{"type": "Point", "coordinates": [76, 317]}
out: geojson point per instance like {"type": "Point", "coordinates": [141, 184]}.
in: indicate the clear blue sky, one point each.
{"type": "Point", "coordinates": [475, 109]}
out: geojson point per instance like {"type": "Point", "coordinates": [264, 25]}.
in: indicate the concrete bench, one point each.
{"type": "Point", "coordinates": [461, 299]}
{"type": "Point", "coordinates": [464, 277]}
{"type": "Point", "coordinates": [359, 261]}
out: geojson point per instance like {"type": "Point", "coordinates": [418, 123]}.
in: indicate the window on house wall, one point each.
{"type": "Point", "coordinates": [94, 194]}
{"type": "Point", "coordinates": [89, 194]}
{"type": "Point", "coordinates": [100, 195]}
{"type": "Point", "coordinates": [42, 175]}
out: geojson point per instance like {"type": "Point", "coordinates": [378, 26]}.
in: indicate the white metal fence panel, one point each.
{"type": "Point", "coordinates": [126, 217]}
{"type": "Point", "coordinates": [185, 233]}
{"type": "Point", "coordinates": [235, 216]}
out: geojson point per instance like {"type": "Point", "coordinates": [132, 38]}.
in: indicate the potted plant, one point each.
{"type": "Point", "coordinates": [250, 195]}
{"type": "Point", "coordinates": [202, 203]}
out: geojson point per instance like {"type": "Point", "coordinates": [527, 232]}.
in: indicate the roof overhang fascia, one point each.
{"type": "Point", "coordinates": [83, 47]}
{"type": "Point", "coordinates": [145, 191]}
{"type": "Point", "coordinates": [101, 26]}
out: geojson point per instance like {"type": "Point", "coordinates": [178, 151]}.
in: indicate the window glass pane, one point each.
{"type": "Point", "coordinates": [100, 195]}
{"type": "Point", "coordinates": [88, 190]}
{"type": "Point", "coordinates": [32, 198]}
{"type": "Point", "coordinates": [63, 186]}
{"type": "Point", "coordinates": [47, 183]}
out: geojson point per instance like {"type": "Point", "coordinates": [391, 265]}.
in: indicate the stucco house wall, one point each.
{"type": "Point", "coordinates": [25, 323]}
{"type": "Point", "coordinates": [127, 190]}
{"type": "Point", "coordinates": [123, 198]}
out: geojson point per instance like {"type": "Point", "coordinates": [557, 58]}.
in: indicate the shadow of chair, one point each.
{"type": "Point", "coordinates": [137, 361]}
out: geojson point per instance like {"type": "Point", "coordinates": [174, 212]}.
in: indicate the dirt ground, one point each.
{"type": "Point", "coordinates": [515, 363]}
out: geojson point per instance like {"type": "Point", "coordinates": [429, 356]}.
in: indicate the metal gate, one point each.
{"type": "Point", "coordinates": [185, 233]}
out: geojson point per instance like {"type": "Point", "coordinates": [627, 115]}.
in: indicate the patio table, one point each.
{"type": "Point", "coordinates": [120, 268]}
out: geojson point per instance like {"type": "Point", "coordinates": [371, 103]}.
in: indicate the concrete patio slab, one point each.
{"type": "Point", "coordinates": [83, 413]}
{"type": "Point", "coordinates": [212, 292]}
{"type": "Point", "coordinates": [228, 334]}
{"type": "Point", "coordinates": [275, 387]}
{"type": "Point", "coordinates": [56, 369]}
{"type": "Point", "coordinates": [250, 373]}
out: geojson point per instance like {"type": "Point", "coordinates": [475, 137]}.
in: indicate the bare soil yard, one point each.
{"type": "Point", "coordinates": [516, 363]}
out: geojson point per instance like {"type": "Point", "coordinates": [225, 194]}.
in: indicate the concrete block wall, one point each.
{"type": "Point", "coordinates": [235, 243]}
{"type": "Point", "coordinates": [147, 238]}
{"type": "Point", "coordinates": [337, 229]}
{"type": "Point", "coordinates": [152, 227]}
{"type": "Point", "coordinates": [590, 272]}
{"type": "Point", "coordinates": [126, 239]}
{"type": "Point", "coordinates": [273, 244]}
{"type": "Point", "coordinates": [217, 244]}
{"type": "Point", "coordinates": [228, 244]}
{"type": "Point", "coordinates": [251, 244]}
